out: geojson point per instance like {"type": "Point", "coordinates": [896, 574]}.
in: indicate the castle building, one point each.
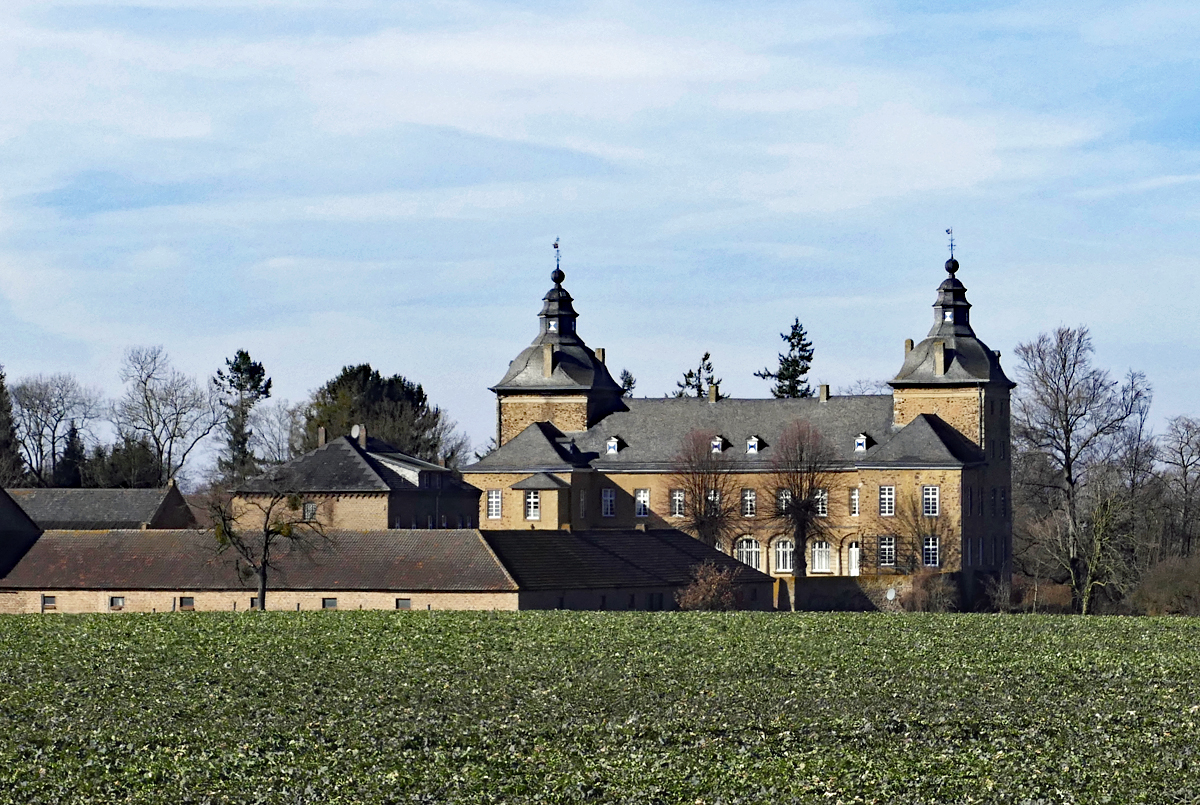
{"type": "Point", "coordinates": [918, 480]}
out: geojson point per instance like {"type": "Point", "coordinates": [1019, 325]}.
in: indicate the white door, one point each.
{"type": "Point", "coordinates": [853, 559]}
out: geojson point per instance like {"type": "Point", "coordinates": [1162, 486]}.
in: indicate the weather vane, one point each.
{"type": "Point", "coordinates": [557, 255]}
{"type": "Point", "coordinates": [949, 232]}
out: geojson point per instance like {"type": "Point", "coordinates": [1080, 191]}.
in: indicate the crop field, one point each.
{"type": "Point", "coordinates": [619, 707]}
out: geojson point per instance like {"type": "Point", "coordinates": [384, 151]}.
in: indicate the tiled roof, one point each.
{"type": "Point", "coordinates": [103, 508]}
{"type": "Point", "coordinates": [342, 465]}
{"type": "Point", "coordinates": [561, 560]}
{"type": "Point", "coordinates": [438, 560]}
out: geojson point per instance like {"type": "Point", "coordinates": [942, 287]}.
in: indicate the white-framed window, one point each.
{"type": "Point", "coordinates": [887, 501]}
{"type": "Point", "coordinates": [641, 503]}
{"type": "Point", "coordinates": [612, 446]}
{"type": "Point", "coordinates": [533, 504]}
{"type": "Point", "coordinates": [493, 504]}
{"type": "Point", "coordinates": [783, 500]}
{"type": "Point", "coordinates": [752, 446]}
{"type": "Point", "coordinates": [713, 502]}
{"type": "Point", "coordinates": [820, 556]}
{"type": "Point", "coordinates": [717, 444]}
{"type": "Point", "coordinates": [887, 551]}
{"type": "Point", "coordinates": [853, 559]}
{"type": "Point", "coordinates": [608, 502]}
{"type": "Point", "coordinates": [931, 554]}
{"type": "Point", "coordinates": [309, 511]}
{"type": "Point", "coordinates": [854, 502]}
{"type": "Point", "coordinates": [749, 503]}
{"type": "Point", "coordinates": [677, 502]}
{"type": "Point", "coordinates": [821, 502]}
{"type": "Point", "coordinates": [931, 501]}
{"type": "Point", "coordinates": [748, 551]}
{"type": "Point", "coordinates": [785, 551]}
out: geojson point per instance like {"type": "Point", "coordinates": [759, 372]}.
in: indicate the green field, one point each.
{"type": "Point", "coordinates": [558, 707]}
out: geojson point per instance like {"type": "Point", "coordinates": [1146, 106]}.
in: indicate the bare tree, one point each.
{"type": "Point", "coordinates": [1073, 414]}
{"type": "Point", "coordinates": [865, 386]}
{"type": "Point", "coordinates": [702, 472]}
{"type": "Point", "coordinates": [801, 474]}
{"type": "Point", "coordinates": [1180, 452]}
{"type": "Point", "coordinates": [265, 524]}
{"type": "Point", "coordinates": [277, 431]}
{"type": "Point", "coordinates": [166, 408]}
{"type": "Point", "coordinates": [46, 407]}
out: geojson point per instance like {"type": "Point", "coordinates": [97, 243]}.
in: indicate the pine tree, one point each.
{"type": "Point", "coordinates": [696, 382]}
{"type": "Point", "coordinates": [68, 472]}
{"type": "Point", "coordinates": [791, 376]}
{"type": "Point", "coordinates": [628, 382]}
{"type": "Point", "coordinates": [12, 465]}
{"type": "Point", "coordinates": [243, 383]}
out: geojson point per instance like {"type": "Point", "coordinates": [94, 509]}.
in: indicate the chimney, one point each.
{"type": "Point", "coordinates": [321, 436]}
{"type": "Point", "coordinates": [362, 436]}
{"type": "Point", "coordinates": [600, 354]}
{"type": "Point", "coordinates": [547, 360]}
{"type": "Point", "coordinates": [714, 392]}
{"type": "Point", "coordinates": [908, 345]}
{"type": "Point", "coordinates": [939, 358]}
{"type": "Point", "coordinates": [823, 392]}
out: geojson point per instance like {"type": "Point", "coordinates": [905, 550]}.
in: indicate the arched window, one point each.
{"type": "Point", "coordinates": [748, 552]}
{"type": "Point", "coordinates": [820, 557]}
{"type": "Point", "coordinates": [785, 556]}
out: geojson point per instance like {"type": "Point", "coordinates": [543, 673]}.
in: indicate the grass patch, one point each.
{"type": "Point", "coordinates": [629, 707]}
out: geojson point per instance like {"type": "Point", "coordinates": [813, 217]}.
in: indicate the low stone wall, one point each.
{"type": "Point", "coordinates": [851, 593]}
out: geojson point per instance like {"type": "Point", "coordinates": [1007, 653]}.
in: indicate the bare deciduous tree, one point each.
{"type": "Point", "coordinates": [1074, 416]}
{"type": "Point", "coordinates": [1180, 452]}
{"type": "Point", "coordinates": [263, 527]}
{"type": "Point", "coordinates": [277, 431]}
{"type": "Point", "coordinates": [702, 472]}
{"type": "Point", "coordinates": [46, 406]}
{"type": "Point", "coordinates": [166, 408]}
{"type": "Point", "coordinates": [801, 474]}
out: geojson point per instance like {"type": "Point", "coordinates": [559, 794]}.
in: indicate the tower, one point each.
{"type": "Point", "coordinates": [556, 379]}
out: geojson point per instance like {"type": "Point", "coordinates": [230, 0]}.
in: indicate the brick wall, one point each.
{"type": "Point", "coordinates": [555, 505]}
{"type": "Point", "coordinates": [355, 512]}
{"type": "Point", "coordinates": [568, 414]}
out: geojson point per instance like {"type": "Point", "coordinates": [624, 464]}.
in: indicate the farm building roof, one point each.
{"type": "Point", "coordinates": [105, 508]}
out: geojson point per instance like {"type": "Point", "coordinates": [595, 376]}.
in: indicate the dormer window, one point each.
{"type": "Point", "coordinates": [861, 442]}
{"type": "Point", "coordinates": [718, 444]}
{"type": "Point", "coordinates": [552, 326]}
{"type": "Point", "coordinates": [752, 446]}
{"type": "Point", "coordinates": [612, 446]}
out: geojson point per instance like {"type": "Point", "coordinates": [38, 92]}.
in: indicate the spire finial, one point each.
{"type": "Point", "coordinates": [557, 276]}
{"type": "Point", "coordinates": [951, 264]}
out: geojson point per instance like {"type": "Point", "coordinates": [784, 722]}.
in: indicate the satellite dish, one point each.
{"type": "Point", "coordinates": [891, 594]}
{"type": "Point", "coordinates": [354, 431]}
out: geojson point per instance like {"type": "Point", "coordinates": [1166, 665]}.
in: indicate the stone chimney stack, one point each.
{"type": "Point", "coordinates": [714, 392]}
{"type": "Point", "coordinates": [908, 346]}
{"type": "Point", "coordinates": [362, 436]}
{"type": "Point", "coordinates": [321, 436]}
{"type": "Point", "coordinates": [823, 392]}
{"type": "Point", "coordinates": [600, 354]}
{"type": "Point", "coordinates": [547, 360]}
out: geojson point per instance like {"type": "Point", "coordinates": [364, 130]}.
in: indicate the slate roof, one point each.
{"type": "Point", "coordinates": [395, 559]}
{"type": "Point", "coordinates": [342, 465]}
{"type": "Point", "coordinates": [560, 560]}
{"type": "Point", "coordinates": [927, 441]}
{"type": "Point", "coordinates": [540, 447]}
{"type": "Point", "coordinates": [541, 480]}
{"type": "Point", "coordinates": [102, 508]}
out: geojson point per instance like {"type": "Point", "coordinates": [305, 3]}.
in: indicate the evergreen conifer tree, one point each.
{"type": "Point", "coordinates": [696, 382]}
{"type": "Point", "coordinates": [243, 383]}
{"type": "Point", "coordinates": [12, 465]}
{"type": "Point", "coordinates": [68, 472]}
{"type": "Point", "coordinates": [791, 378]}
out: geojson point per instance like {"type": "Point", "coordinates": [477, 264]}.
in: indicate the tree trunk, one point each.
{"type": "Point", "coordinates": [262, 588]}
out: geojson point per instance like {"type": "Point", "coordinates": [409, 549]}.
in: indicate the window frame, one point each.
{"type": "Point", "coordinates": [641, 503]}
{"type": "Point", "coordinates": [887, 500]}
{"type": "Point", "coordinates": [608, 502]}
{"type": "Point", "coordinates": [678, 503]}
{"type": "Point", "coordinates": [821, 502]}
{"type": "Point", "coordinates": [886, 553]}
{"type": "Point", "coordinates": [113, 606]}
{"type": "Point", "coordinates": [188, 607]}
{"type": "Point", "coordinates": [403, 603]}
{"type": "Point", "coordinates": [854, 501]}
{"type": "Point", "coordinates": [931, 501]}
{"type": "Point", "coordinates": [854, 558]}
{"type": "Point", "coordinates": [748, 547]}
{"type": "Point", "coordinates": [785, 547]}
{"type": "Point", "coordinates": [495, 496]}
{"type": "Point", "coordinates": [749, 502]}
{"type": "Point", "coordinates": [49, 603]}
{"type": "Point", "coordinates": [931, 546]}
{"type": "Point", "coordinates": [308, 511]}
{"type": "Point", "coordinates": [328, 604]}
{"type": "Point", "coordinates": [822, 556]}
{"type": "Point", "coordinates": [783, 500]}
{"type": "Point", "coordinates": [533, 505]}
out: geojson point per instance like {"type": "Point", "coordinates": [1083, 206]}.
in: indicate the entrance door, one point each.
{"type": "Point", "coordinates": [853, 558]}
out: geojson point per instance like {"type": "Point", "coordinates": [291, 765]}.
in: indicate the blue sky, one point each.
{"type": "Point", "coordinates": [325, 183]}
